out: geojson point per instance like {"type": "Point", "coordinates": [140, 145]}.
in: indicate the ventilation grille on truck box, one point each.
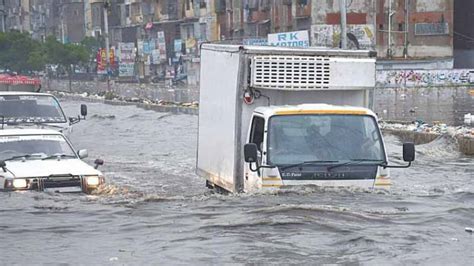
{"type": "Point", "coordinates": [290, 72]}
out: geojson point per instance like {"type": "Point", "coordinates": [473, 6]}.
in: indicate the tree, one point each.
{"type": "Point", "coordinates": [92, 44]}
{"type": "Point", "coordinates": [20, 53]}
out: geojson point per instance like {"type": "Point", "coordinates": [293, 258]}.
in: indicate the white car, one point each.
{"type": "Point", "coordinates": [37, 110]}
{"type": "Point", "coordinates": [44, 160]}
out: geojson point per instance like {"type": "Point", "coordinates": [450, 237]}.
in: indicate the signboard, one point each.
{"type": "Point", "coordinates": [178, 44]}
{"type": "Point", "coordinates": [432, 28]}
{"type": "Point", "coordinates": [190, 43]}
{"type": "Point", "coordinates": [289, 39]}
{"type": "Point", "coordinates": [161, 45]}
{"type": "Point", "coordinates": [140, 47]}
{"type": "Point", "coordinates": [255, 41]}
{"type": "Point", "coordinates": [101, 59]}
{"type": "Point", "coordinates": [127, 59]}
{"type": "Point", "coordinates": [155, 57]}
{"type": "Point", "coordinates": [148, 46]}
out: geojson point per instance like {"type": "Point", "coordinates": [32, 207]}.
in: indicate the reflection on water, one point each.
{"type": "Point", "coordinates": [154, 209]}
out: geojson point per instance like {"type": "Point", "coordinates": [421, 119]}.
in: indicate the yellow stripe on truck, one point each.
{"type": "Point", "coordinates": [317, 112]}
{"type": "Point", "coordinates": [271, 179]}
{"type": "Point", "coordinates": [273, 185]}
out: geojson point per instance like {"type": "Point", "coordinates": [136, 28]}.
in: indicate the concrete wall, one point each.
{"type": "Point", "coordinates": [445, 104]}
{"type": "Point", "coordinates": [430, 95]}
{"type": "Point", "coordinates": [154, 92]}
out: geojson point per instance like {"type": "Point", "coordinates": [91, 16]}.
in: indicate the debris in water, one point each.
{"type": "Point", "coordinates": [113, 259]}
{"type": "Point", "coordinates": [469, 230]}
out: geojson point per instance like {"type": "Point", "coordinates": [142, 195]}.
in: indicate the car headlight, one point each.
{"type": "Point", "coordinates": [19, 183]}
{"type": "Point", "coordinates": [93, 181]}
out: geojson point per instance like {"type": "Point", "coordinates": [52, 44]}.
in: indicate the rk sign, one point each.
{"type": "Point", "coordinates": [289, 39]}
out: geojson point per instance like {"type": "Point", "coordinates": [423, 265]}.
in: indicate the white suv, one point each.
{"type": "Point", "coordinates": [38, 110]}
{"type": "Point", "coordinates": [44, 160]}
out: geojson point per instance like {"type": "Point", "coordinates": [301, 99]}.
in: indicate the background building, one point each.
{"type": "Point", "coordinates": [166, 34]}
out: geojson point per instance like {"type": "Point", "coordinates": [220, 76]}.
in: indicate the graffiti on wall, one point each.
{"type": "Point", "coordinates": [330, 35]}
{"type": "Point", "coordinates": [323, 35]}
{"type": "Point", "coordinates": [425, 78]}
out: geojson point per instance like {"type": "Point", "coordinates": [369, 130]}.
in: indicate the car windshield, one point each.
{"type": "Point", "coordinates": [300, 138]}
{"type": "Point", "coordinates": [30, 109]}
{"type": "Point", "coordinates": [34, 146]}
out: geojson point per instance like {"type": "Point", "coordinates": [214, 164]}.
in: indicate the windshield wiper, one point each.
{"type": "Point", "coordinates": [306, 162]}
{"type": "Point", "coordinates": [355, 162]}
{"type": "Point", "coordinates": [26, 156]}
{"type": "Point", "coordinates": [54, 156]}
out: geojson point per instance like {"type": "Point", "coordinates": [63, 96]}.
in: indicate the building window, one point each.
{"type": "Point", "coordinates": [127, 11]}
{"type": "Point", "coordinates": [189, 4]}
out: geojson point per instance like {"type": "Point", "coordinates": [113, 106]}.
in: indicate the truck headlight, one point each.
{"type": "Point", "coordinates": [93, 181]}
{"type": "Point", "coordinates": [19, 183]}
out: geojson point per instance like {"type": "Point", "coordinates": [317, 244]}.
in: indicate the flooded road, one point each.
{"type": "Point", "coordinates": [155, 210]}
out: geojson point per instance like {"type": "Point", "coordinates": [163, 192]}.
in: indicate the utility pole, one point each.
{"type": "Point", "coordinates": [63, 35]}
{"type": "Point", "coordinates": [342, 7]}
{"type": "Point", "coordinates": [390, 14]}
{"type": "Point", "coordinates": [107, 49]}
{"type": "Point", "coordinates": [407, 26]}
{"type": "Point", "coordinates": [3, 14]}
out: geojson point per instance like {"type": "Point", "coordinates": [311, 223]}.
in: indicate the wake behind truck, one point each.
{"type": "Point", "coordinates": [272, 117]}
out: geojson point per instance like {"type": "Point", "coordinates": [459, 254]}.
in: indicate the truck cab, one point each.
{"type": "Point", "coordinates": [314, 144]}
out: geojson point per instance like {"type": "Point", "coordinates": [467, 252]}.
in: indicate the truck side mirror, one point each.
{"type": "Point", "coordinates": [98, 162]}
{"type": "Point", "coordinates": [251, 153]}
{"type": "Point", "coordinates": [408, 156]}
{"type": "Point", "coordinates": [83, 110]}
{"type": "Point", "coordinates": [3, 165]}
{"type": "Point", "coordinates": [408, 152]}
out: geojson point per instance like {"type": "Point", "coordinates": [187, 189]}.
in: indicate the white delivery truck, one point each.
{"type": "Point", "coordinates": [271, 117]}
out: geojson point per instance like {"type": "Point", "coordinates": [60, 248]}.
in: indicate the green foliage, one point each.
{"type": "Point", "coordinates": [20, 53]}
{"type": "Point", "coordinates": [92, 44]}
{"type": "Point", "coordinates": [16, 49]}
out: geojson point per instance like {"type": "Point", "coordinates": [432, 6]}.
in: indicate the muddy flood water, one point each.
{"type": "Point", "coordinates": [155, 210]}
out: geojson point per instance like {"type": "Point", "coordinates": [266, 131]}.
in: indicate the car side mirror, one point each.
{"type": "Point", "coordinates": [3, 165]}
{"type": "Point", "coordinates": [251, 153]}
{"type": "Point", "coordinates": [408, 152]}
{"type": "Point", "coordinates": [98, 162]}
{"type": "Point", "coordinates": [82, 154]}
{"type": "Point", "coordinates": [83, 110]}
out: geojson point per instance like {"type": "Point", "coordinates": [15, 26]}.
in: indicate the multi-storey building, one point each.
{"type": "Point", "coordinates": [397, 29]}
{"type": "Point", "coordinates": [61, 18]}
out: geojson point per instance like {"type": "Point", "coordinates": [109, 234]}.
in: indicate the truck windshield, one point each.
{"type": "Point", "coordinates": [300, 138]}
{"type": "Point", "coordinates": [30, 109]}
{"type": "Point", "coordinates": [34, 146]}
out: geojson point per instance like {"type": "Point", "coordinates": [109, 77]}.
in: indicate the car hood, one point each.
{"type": "Point", "coordinates": [40, 168]}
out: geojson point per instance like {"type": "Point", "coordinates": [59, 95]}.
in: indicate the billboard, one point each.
{"type": "Point", "coordinates": [127, 59]}
{"type": "Point", "coordinates": [101, 59]}
{"type": "Point", "coordinates": [289, 39]}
